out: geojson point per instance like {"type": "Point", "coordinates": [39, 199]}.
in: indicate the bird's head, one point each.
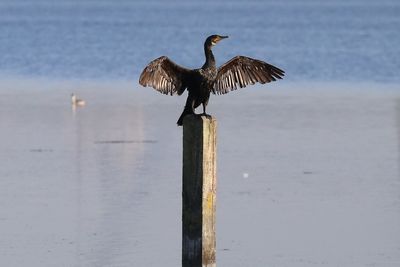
{"type": "Point", "coordinates": [214, 39]}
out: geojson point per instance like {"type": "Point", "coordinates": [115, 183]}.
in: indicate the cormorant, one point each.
{"type": "Point", "coordinates": [169, 78]}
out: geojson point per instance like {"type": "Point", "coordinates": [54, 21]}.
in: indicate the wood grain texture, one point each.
{"type": "Point", "coordinates": [199, 191]}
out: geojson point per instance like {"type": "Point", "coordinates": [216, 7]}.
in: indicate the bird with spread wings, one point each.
{"type": "Point", "coordinates": [169, 78]}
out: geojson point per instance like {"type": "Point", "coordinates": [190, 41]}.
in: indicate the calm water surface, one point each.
{"type": "Point", "coordinates": [306, 176]}
{"type": "Point", "coordinates": [352, 40]}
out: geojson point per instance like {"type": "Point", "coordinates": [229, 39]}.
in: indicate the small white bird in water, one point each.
{"type": "Point", "coordinates": [76, 101]}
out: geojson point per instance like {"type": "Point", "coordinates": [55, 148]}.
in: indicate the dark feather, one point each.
{"type": "Point", "coordinates": [241, 71]}
{"type": "Point", "coordinates": [165, 76]}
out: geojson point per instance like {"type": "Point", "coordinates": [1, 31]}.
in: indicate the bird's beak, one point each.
{"type": "Point", "coordinates": [218, 38]}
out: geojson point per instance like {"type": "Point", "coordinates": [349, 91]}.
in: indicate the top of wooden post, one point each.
{"type": "Point", "coordinates": [196, 118]}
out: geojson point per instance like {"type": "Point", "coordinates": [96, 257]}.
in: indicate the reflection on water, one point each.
{"type": "Point", "coordinates": [107, 183]}
{"type": "Point", "coordinates": [305, 178]}
{"type": "Point", "coordinates": [398, 130]}
{"type": "Point", "coordinates": [92, 187]}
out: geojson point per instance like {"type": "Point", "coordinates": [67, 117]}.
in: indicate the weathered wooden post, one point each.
{"type": "Point", "coordinates": [199, 191]}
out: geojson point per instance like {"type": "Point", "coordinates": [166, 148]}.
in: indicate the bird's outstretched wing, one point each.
{"type": "Point", "coordinates": [241, 71]}
{"type": "Point", "coordinates": [165, 76]}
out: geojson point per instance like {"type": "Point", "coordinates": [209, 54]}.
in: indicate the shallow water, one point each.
{"type": "Point", "coordinates": [340, 40]}
{"type": "Point", "coordinates": [306, 177]}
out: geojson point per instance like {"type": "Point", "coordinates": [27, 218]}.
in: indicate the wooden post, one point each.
{"type": "Point", "coordinates": [199, 191]}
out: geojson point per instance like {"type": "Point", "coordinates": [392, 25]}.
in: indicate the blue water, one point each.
{"type": "Point", "coordinates": [350, 40]}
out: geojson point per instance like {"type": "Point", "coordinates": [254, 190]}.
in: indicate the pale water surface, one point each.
{"type": "Point", "coordinates": [308, 173]}
{"type": "Point", "coordinates": [306, 177]}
